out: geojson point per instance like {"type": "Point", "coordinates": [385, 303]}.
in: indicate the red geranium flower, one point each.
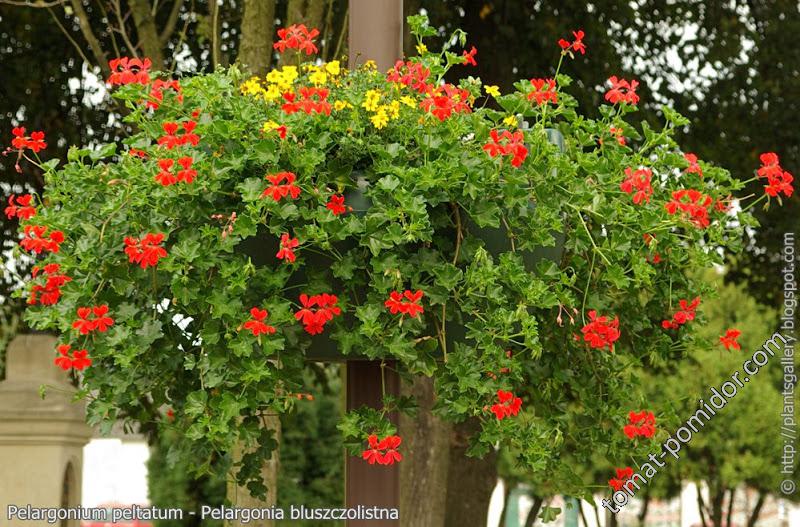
{"type": "Point", "coordinates": [638, 184]}
{"type": "Point", "coordinates": [411, 74]}
{"type": "Point", "coordinates": [640, 424]}
{"type": "Point", "coordinates": [685, 314]}
{"type": "Point", "coordinates": [729, 339]}
{"type": "Point", "coordinates": [256, 324]}
{"type": "Point", "coordinates": [78, 360]}
{"type": "Point", "coordinates": [36, 241]}
{"type": "Point", "coordinates": [49, 293]}
{"type": "Point", "coordinates": [93, 318]}
{"type": "Point", "coordinates": [278, 190]}
{"type": "Point", "coordinates": [317, 310]}
{"type": "Point", "coordinates": [165, 175]}
{"type": "Point", "coordinates": [20, 141]}
{"type": "Point", "coordinates": [157, 93]}
{"type": "Point", "coordinates": [507, 144]}
{"type": "Point", "coordinates": [312, 100]}
{"type": "Point", "coordinates": [125, 70]}
{"type": "Point", "coordinates": [507, 406]}
{"type": "Point", "coordinates": [445, 100]}
{"type": "Point", "coordinates": [622, 480]}
{"type": "Point", "coordinates": [187, 174]}
{"type": "Point", "coordinates": [694, 168]}
{"type": "Point", "coordinates": [146, 252]}
{"type": "Point", "coordinates": [600, 333]}
{"type": "Point", "coordinates": [693, 205]}
{"type": "Point", "coordinates": [286, 251]}
{"type": "Point", "coordinates": [405, 303]}
{"type": "Point", "coordinates": [778, 180]}
{"type": "Point", "coordinates": [20, 207]}
{"type": "Point", "coordinates": [297, 36]}
{"type": "Point", "coordinates": [544, 91]}
{"type": "Point", "coordinates": [622, 91]}
{"type": "Point", "coordinates": [469, 56]}
{"type": "Point", "coordinates": [336, 205]}
{"type": "Point", "coordinates": [172, 138]}
{"type": "Point", "coordinates": [576, 45]}
{"type": "Point", "coordinates": [374, 454]}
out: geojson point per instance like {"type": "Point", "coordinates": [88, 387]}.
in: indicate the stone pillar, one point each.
{"type": "Point", "coordinates": [41, 440]}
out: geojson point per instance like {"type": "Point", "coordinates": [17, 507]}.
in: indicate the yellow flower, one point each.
{"type": "Point", "coordinates": [370, 65]}
{"type": "Point", "coordinates": [270, 126]}
{"type": "Point", "coordinates": [272, 93]}
{"type": "Point", "coordinates": [251, 87]}
{"type": "Point", "coordinates": [492, 90]}
{"type": "Point", "coordinates": [380, 119]}
{"type": "Point", "coordinates": [341, 105]}
{"type": "Point", "coordinates": [283, 78]}
{"type": "Point", "coordinates": [510, 121]}
{"type": "Point", "coordinates": [318, 78]}
{"type": "Point", "coordinates": [408, 101]}
{"type": "Point", "coordinates": [422, 48]}
{"type": "Point", "coordinates": [371, 100]}
{"type": "Point", "coordinates": [393, 109]}
{"type": "Point", "coordinates": [333, 67]}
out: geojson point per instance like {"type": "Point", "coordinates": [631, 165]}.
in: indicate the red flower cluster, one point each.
{"type": "Point", "coordinates": [312, 100]}
{"type": "Point", "coordinates": [639, 182]}
{"type": "Point", "coordinates": [469, 56]}
{"type": "Point", "coordinates": [78, 359]}
{"type": "Point", "coordinates": [93, 318]}
{"type": "Point", "coordinates": [576, 45]}
{"type": "Point", "coordinates": [50, 292]}
{"type": "Point", "coordinates": [297, 36]}
{"type": "Point", "coordinates": [20, 207]}
{"type": "Point", "coordinates": [280, 190]}
{"type": "Point", "coordinates": [507, 144]}
{"type": "Point", "coordinates": [622, 480]}
{"type": "Point", "coordinates": [167, 178]}
{"type": "Point", "coordinates": [288, 244]}
{"type": "Point", "coordinates": [640, 424]}
{"type": "Point", "coordinates": [729, 339]}
{"type": "Point", "coordinates": [685, 314]}
{"type": "Point", "coordinates": [171, 138]}
{"type": "Point", "coordinates": [507, 406]}
{"type": "Point", "coordinates": [157, 92]}
{"type": "Point", "coordinates": [256, 324]}
{"type": "Point", "coordinates": [411, 74]}
{"type": "Point", "coordinates": [691, 203]}
{"type": "Point", "coordinates": [544, 91]}
{"type": "Point", "coordinates": [375, 453]}
{"type": "Point", "coordinates": [622, 91]}
{"type": "Point", "coordinates": [135, 152]}
{"type": "Point", "coordinates": [617, 133]}
{"type": "Point", "coordinates": [146, 252]}
{"type": "Point", "coordinates": [405, 303]}
{"type": "Point", "coordinates": [313, 319]}
{"type": "Point", "coordinates": [36, 241]}
{"type": "Point", "coordinates": [336, 205]}
{"type": "Point", "coordinates": [778, 180]}
{"type": "Point", "coordinates": [125, 70]}
{"type": "Point", "coordinates": [443, 101]}
{"type": "Point", "coordinates": [600, 333]}
{"type": "Point", "coordinates": [694, 168]}
{"type": "Point", "coordinates": [21, 141]}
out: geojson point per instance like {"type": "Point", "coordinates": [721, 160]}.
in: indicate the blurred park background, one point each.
{"type": "Point", "coordinates": [731, 66]}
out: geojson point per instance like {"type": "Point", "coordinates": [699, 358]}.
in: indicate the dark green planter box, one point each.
{"type": "Point", "coordinates": [262, 249]}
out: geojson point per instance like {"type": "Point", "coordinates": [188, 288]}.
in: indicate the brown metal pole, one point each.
{"type": "Point", "coordinates": [376, 33]}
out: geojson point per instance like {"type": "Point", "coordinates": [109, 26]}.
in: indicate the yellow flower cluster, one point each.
{"type": "Point", "coordinates": [278, 81]}
{"type": "Point", "coordinates": [319, 75]}
{"type": "Point", "coordinates": [382, 113]}
{"type": "Point", "coordinates": [341, 105]}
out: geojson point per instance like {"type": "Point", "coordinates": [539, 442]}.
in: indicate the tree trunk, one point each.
{"type": "Point", "coordinates": [716, 505]}
{"type": "Point", "coordinates": [596, 512]}
{"type": "Point", "coordinates": [423, 472]}
{"type": "Point", "coordinates": [530, 519]}
{"type": "Point", "coordinates": [255, 46]}
{"type": "Point", "coordinates": [216, 35]}
{"type": "Point", "coordinates": [240, 497]}
{"type": "Point", "coordinates": [751, 522]}
{"type": "Point", "coordinates": [470, 481]}
{"type": "Point", "coordinates": [147, 32]}
{"type": "Point", "coordinates": [645, 505]}
{"type": "Point", "coordinates": [730, 507]}
{"type": "Point", "coordinates": [506, 498]}
{"type": "Point", "coordinates": [701, 505]}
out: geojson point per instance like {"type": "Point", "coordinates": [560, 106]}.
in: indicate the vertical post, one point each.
{"type": "Point", "coordinates": [375, 33]}
{"type": "Point", "coordinates": [41, 440]}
